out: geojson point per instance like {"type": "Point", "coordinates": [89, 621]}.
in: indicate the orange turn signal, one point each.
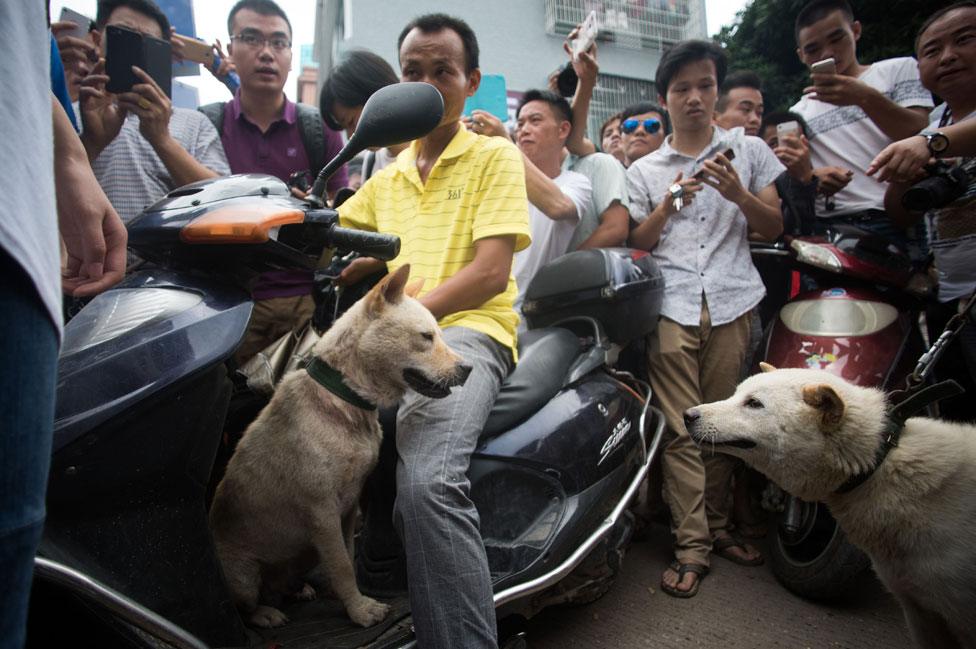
{"type": "Point", "coordinates": [248, 223]}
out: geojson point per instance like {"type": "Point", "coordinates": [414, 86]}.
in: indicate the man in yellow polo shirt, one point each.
{"type": "Point", "coordinates": [458, 203]}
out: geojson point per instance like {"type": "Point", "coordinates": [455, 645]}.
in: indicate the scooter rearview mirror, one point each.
{"type": "Point", "coordinates": [397, 113]}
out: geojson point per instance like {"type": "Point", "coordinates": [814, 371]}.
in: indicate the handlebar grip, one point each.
{"type": "Point", "coordinates": [372, 244]}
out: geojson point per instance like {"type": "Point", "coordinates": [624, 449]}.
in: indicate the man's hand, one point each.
{"type": "Point", "coordinates": [902, 161]}
{"type": "Point", "coordinates": [359, 269]}
{"type": "Point", "coordinates": [101, 115]}
{"type": "Point", "coordinates": [77, 54]}
{"type": "Point", "coordinates": [794, 153]}
{"type": "Point", "coordinates": [150, 103]}
{"type": "Point", "coordinates": [832, 179]}
{"type": "Point", "coordinates": [839, 89]}
{"type": "Point", "coordinates": [485, 123]}
{"type": "Point", "coordinates": [691, 186]}
{"type": "Point", "coordinates": [720, 174]}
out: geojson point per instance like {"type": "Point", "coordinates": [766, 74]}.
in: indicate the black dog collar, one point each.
{"type": "Point", "coordinates": [331, 379]}
{"type": "Point", "coordinates": [895, 423]}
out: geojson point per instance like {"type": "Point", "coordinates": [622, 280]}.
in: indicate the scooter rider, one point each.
{"type": "Point", "coordinates": [458, 202]}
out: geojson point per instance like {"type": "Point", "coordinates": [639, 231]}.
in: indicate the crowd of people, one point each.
{"type": "Point", "coordinates": [479, 208]}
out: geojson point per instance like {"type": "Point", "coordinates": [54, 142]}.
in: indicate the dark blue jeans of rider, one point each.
{"type": "Point", "coordinates": [29, 353]}
{"type": "Point", "coordinates": [447, 569]}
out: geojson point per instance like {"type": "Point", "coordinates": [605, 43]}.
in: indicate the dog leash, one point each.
{"type": "Point", "coordinates": [331, 379]}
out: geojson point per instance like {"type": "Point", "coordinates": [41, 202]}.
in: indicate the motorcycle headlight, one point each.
{"type": "Point", "coordinates": [120, 311]}
{"type": "Point", "coordinates": [816, 255]}
{"type": "Point", "coordinates": [837, 317]}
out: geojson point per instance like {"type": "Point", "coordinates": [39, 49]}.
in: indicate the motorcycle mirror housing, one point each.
{"type": "Point", "coordinates": [397, 113]}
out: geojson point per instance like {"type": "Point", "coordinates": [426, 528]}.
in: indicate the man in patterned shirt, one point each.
{"type": "Point", "coordinates": [458, 202]}
{"type": "Point", "coordinates": [696, 227]}
{"type": "Point", "coordinates": [140, 146]}
{"type": "Point", "coordinates": [853, 114]}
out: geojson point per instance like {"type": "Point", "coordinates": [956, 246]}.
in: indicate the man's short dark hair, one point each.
{"type": "Point", "coordinates": [642, 107]}
{"type": "Point", "coordinates": [145, 7]}
{"type": "Point", "coordinates": [738, 79]}
{"type": "Point", "coordinates": [603, 127]}
{"type": "Point", "coordinates": [262, 7]}
{"type": "Point", "coordinates": [818, 10]}
{"type": "Point", "coordinates": [964, 4]}
{"type": "Point", "coordinates": [779, 117]}
{"type": "Point", "coordinates": [687, 52]}
{"type": "Point", "coordinates": [353, 81]}
{"type": "Point", "coordinates": [433, 23]}
{"type": "Point", "coordinates": [559, 105]}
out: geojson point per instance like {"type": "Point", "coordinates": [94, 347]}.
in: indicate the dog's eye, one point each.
{"type": "Point", "coordinates": [753, 402]}
{"type": "Point", "coordinates": [429, 337]}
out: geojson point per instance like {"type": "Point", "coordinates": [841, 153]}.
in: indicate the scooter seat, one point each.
{"type": "Point", "coordinates": [545, 356]}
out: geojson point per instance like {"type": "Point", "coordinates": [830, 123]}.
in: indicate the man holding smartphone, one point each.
{"type": "Point", "coordinates": [140, 145]}
{"type": "Point", "coordinates": [853, 111]}
{"type": "Point", "coordinates": [695, 226]}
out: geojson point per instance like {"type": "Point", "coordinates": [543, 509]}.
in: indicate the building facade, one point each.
{"type": "Point", "coordinates": [522, 39]}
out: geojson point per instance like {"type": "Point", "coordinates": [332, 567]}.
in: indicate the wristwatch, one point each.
{"type": "Point", "coordinates": [936, 141]}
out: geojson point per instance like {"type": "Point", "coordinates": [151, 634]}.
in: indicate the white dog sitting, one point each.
{"type": "Point", "coordinates": [911, 505]}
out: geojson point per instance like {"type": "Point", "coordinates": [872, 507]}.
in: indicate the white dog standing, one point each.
{"type": "Point", "coordinates": [811, 432]}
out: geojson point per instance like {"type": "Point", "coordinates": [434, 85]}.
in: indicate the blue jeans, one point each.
{"type": "Point", "coordinates": [29, 353]}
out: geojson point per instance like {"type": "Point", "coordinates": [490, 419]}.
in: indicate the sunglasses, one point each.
{"type": "Point", "coordinates": [650, 125]}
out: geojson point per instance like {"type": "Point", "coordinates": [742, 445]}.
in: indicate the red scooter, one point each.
{"type": "Point", "coordinates": [861, 322]}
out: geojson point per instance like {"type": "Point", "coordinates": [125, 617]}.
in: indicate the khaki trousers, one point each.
{"type": "Point", "coordinates": [271, 319]}
{"type": "Point", "coordinates": [689, 366]}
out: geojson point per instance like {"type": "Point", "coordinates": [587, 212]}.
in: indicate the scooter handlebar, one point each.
{"type": "Point", "coordinates": [371, 244]}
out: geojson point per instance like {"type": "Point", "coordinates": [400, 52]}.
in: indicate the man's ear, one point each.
{"type": "Point", "coordinates": [827, 402]}
{"type": "Point", "coordinates": [388, 291]}
{"type": "Point", "coordinates": [565, 128]}
{"type": "Point", "coordinates": [474, 81]}
{"type": "Point", "coordinates": [662, 101]}
{"type": "Point", "coordinates": [856, 28]}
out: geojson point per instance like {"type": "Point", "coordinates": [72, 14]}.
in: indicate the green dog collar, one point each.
{"type": "Point", "coordinates": [331, 379]}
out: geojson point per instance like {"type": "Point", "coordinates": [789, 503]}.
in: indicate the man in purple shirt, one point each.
{"type": "Point", "coordinates": [263, 132]}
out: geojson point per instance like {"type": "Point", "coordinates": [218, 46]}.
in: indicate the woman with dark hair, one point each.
{"type": "Point", "coordinates": [345, 91]}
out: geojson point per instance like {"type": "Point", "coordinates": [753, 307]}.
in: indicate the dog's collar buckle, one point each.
{"type": "Point", "coordinates": [911, 403]}
{"type": "Point", "coordinates": [331, 379]}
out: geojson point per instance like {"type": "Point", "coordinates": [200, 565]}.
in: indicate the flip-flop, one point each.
{"type": "Point", "coordinates": [682, 569]}
{"type": "Point", "coordinates": [721, 545]}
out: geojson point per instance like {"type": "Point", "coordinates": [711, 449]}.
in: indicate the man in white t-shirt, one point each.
{"type": "Point", "coordinates": [560, 197]}
{"type": "Point", "coordinates": [853, 114]}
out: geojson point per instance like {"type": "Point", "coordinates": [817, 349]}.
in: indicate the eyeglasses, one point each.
{"type": "Point", "coordinates": [652, 125]}
{"type": "Point", "coordinates": [256, 41]}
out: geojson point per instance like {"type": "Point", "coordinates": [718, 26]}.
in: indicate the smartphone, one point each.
{"type": "Point", "coordinates": [729, 155]}
{"type": "Point", "coordinates": [587, 35]}
{"type": "Point", "coordinates": [82, 23]}
{"type": "Point", "coordinates": [787, 128]}
{"type": "Point", "coordinates": [827, 66]}
{"type": "Point", "coordinates": [195, 50]}
{"type": "Point", "coordinates": [125, 48]}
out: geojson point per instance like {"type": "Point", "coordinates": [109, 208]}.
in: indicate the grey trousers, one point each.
{"type": "Point", "coordinates": [447, 570]}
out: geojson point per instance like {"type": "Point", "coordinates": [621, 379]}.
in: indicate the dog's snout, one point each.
{"type": "Point", "coordinates": [462, 373]}
{"type": "Point", "coordinates": [692, 415]}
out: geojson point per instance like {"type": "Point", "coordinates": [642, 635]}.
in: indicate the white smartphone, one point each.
{"type": "Point", "coordinates": [81, 21]}
{"type": "Point", "coordinates": [587, 35]}
{"type": "Point", "coordinates": [787, 128]}
{"type": "Point", "coordinates": [827, 66]}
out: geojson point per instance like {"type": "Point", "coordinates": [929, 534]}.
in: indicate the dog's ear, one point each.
{"type": "Point", "coordinates": [766, 367]}
{"type": "Point", "coordinates": [827, 402]}
{"type": "Point", "coordinates": [413, 288]}
{"type": "Point", "coordinates": [388, 290]}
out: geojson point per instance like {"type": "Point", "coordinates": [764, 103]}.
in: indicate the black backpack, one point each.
{"type": "Point", "coordinates": [310, 129]}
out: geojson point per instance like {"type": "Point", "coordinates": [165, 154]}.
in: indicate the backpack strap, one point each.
{"type": "Point", "coordinates": [312, 131]}
{"type": "Point", "coordinates": [215, 113]}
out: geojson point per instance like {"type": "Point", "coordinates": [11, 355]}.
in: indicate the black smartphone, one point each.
{"type": "Point", "coordinates": [125, 48]}
{"type": "Point", "coordinates": [729, 155]}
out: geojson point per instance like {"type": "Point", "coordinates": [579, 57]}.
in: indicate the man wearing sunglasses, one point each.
{"type": "Point", "coordinates": [642, 129]}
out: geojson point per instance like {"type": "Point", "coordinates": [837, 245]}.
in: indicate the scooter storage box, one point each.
{"type": "Point", "coordinates": [619, 287]}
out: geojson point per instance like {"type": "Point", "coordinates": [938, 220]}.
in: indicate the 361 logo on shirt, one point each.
{"type": "Point", "coordinates": [453, 194]}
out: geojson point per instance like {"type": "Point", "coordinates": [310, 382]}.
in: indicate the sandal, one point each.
{"type": "Point", "coordinates": [683, 569]}
{"type": "Point", "coordinates": [723, 544]}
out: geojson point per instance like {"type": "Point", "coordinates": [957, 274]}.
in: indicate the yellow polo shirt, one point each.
{"type": "Point", "coordinates": [476, 189]}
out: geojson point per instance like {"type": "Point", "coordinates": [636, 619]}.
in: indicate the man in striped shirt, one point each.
{"type": "Point", "coordinates": [458, 202]}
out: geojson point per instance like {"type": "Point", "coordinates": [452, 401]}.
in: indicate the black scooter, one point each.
{"type": "Point", "coordinates": [145, 385]}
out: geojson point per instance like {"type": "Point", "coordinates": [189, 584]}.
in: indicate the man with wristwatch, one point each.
{"type": "Point", "coordinates": [943, 157]}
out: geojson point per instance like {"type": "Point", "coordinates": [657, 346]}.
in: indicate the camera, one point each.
{"type": "Point", "coordinates": [944, 184]}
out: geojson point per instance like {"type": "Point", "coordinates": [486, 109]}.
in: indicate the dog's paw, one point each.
{"type": "Point", "coordinates": [366, 611]}
{"type": "Point", "coordinates": [267, 617]}
{"type": "Point", "coordinates": [305, 594]}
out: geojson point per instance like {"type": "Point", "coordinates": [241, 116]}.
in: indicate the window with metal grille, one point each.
{"type": "Point", "coordinates": [634, 24]}
{"type": "Point", "coordinates": [611, 95]}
